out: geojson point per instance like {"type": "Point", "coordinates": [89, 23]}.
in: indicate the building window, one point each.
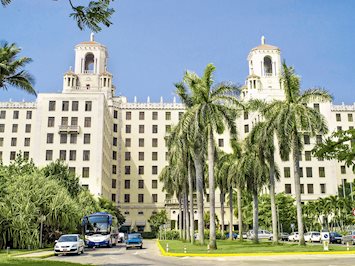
{"type": "Point", "coordinates": [113, 183]}
{"type": "Point", "coordinates": [114, 127]}
{"type": "Point", "coordinates": [88, 106]}
{"type": "Point", "coordinates": [126, 198]}
{"type": "Point", "coordinates": [300, 172]}
{"type": "Point", "coordinates": [51, 106]}
{"type": "Point", "coordinates": [309, 172]}
{"type": "Point", "coordinates": [180, 115]}
{"type": "Point", "coordinates": [64, 121]}
{"type": "Point", "coordinates": [155, 115]}
{"type": "Point", "coordinates": [141, 115]}
{"type": "Point", "coordinates": [72, 170]}
{"type": "Point", "coordinates": [128, 128]}
{"type": "Point", "coordinates": [306, 139]}
{"type": "Point", "coordinates": [2, 114]}
{"type": "Point", "coordinates": [127, 156]}
{"type": "Point", "coordinates": [50, 137]}
{"type": "Point", "coordinates": [319, 139]}
{"type": "Point", "coordinates": [13, 142]}
{"type": "Point", "coordinates": [12, 155]}
{"type": "Point", "coordinates": [154, 156]}
{"type": "Point", "coordinates": [15, 115]}
{"type": "Point", "coordinates": [338, 117]}
{"type": "Point", "coordinates": [127, 142]}
{"type": "Point", "coordinates": [72, 155]}
{"type": "Point", "coordinates": [322, 189]}
{"type": "Point", "coordinates": [1, 142]}
{"type": "Point", "coordinates": [114, 155]}
{"type": "Point", "coordinates": [154, 170]}
{"type": "Point", "coordinates": [166, 156]}
{"type": "Point", "coordinates": [167, 115]}
{"type": "Point", "coordinates": [140, 183]}
{"type": "Point", "coordinates": [114, 141]}
{"type": "Point", "coordinates": [141, 142]}
{"type": "Point", "coordinates": [85, 187]}
{"type": "Point", "coordinates": [86, 172]}
{"type": "Point", "coordinates": [302, 189]}
{"type": "Point", "coordinates": [87, 138]}
{"type": "Point", "coordinates": [140, 213]}
{"type": "Point", "coordinates": [74, 121]}
{"type": "Point", "coordinates": [307, 155]}
{"type": "Point", "coordinates": [27, 142]}
{"type": "Point", "coordinates": [114, 169]}
{"type": "Point", "coordinates": [287, 172]}
{"type": "Point", "coordinates": [339, 128]}
{"type": "Point", "coordinates": [140, 198]}
{"type": "Point", "coordinates": [220, 142]}
{"type": "Point", "coordinates": [316, 106]}
{"type": "Point", "coordinates": [113, 197]}
{"type": "Point", "coordinates": [154, 142]}
{"type": "Point", "coordinates": [288, 188]}
{"type": "Point", "coordinates": [63, 138]}
{"type": "Point", "coordinates": [2, 128]}
{"type": "Point", "coordinates": [168, 128]}
{"type": "Point", "coordinates": [127, 170]}
{"type": "Point", "coordinates": [246, 128]}
{"type": "Point", "coordinates": [141, 170]}
{"type": "Point", "coordinates": [141, 156]}
{"type": "Point", "coordinates": [343, 169]}
{"type": "Point", "coordinates": [29, 115]}
{"type": "Point", "coordinates": [127, 184]}
{"type": "Point", "coordinates": [75, 106]}
{"type": "Point", "coordinates": [50, 121]}
{"type": "Point", "coordinates": [246, 115]}
{"type": "Point", "coordinates": [155, 198]}
{"type": "Point", "coordinates": [65, 106]}
{"type": "Point", "coordinates": [28, 128]}
{"type": "Point", "coordinates": [73, 138]}
{"type": "Point", "coordinates": [115, 114]}
{"type": "Point", "coordinates": [14, 128]}
{"type": "Point", "coordinates": [128, 115]}
{"type": "Point", "coordinates": [141, 129]}
{"type": "Point", "coordinates": [86, 155]}
{"type": "Point", "coordinates": [321, 171]}
{"type": "Point", "coordinates": [63, 155]}
{"type": "Point", "coordinates": [350, 118]}
{"type": "Point", "coordinates": [154, 183]}
{"type": "Point", "coordinates": [87, 122]}
{"type": "Point", "coordinates": [310, 188]}
{"type": "Point", "coordinates": [49, 155]}
{"type": "Point", "coordinates": [26, 155]}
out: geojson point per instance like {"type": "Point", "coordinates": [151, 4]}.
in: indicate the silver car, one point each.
{"type": "Point", "coordinates": [262, 234]}
{"type": "Point", "coordinates": [69, 244]}
{"type": "Point", "coordinates": [349, 237]}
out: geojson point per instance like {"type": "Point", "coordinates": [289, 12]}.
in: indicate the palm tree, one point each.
{"type": "Point", "coordinates": [293, 118]}
{"type": "Point", "coordinates": [211, 109]}
{"type": "Point", "coordinates": [11, 72]}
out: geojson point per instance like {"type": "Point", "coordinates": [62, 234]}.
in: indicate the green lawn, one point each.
{"type": "Point", "coordinates": [228, 247]}
{"type": "Point", "coordinates": [7, 261]}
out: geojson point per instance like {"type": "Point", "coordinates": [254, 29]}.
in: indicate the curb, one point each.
{"type": "Point", "coordinates": [168, 254]}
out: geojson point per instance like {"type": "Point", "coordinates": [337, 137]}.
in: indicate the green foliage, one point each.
{"type": "Point", "coordinates": [106, 205]}
{"type": "Point", "coordinates": [156, 220]}
{"type": "Point", "coordinates": [172, 235]}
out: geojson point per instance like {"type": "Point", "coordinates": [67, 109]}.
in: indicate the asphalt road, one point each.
{"type": "Point", "coordinates": [150, 255]}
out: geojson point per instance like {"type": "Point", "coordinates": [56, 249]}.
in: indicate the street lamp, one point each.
{"type": "Point", "coordinates": [42, 218]}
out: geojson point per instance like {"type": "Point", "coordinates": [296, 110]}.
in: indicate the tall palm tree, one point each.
{"type": "Point", "coordinates": [293, 118]}
{"type": "Point", "coordinates": [11, 69]}
{"type": "Point", "coordinates": [213, 108]}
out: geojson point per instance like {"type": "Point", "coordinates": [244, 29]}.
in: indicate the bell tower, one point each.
{"type": "Point", "coordinates": [90, 72]}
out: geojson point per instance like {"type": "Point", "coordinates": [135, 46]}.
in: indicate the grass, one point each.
{"type": "Point", "coordinates": [5, 260]}
{"type": "Point", "coordinates": [237, 247]}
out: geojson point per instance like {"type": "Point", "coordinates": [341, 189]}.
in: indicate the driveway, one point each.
{"type": "Point", "coordinates": [150, 255]}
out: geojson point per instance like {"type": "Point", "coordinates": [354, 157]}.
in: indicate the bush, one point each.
{"type": "Point", "coordinates": [149, 235]}
{"type": "Point", "coordinates": [171, 235]}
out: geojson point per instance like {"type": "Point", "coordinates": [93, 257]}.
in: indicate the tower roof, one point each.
{"type": "Point", "coordinates": [265, 46]}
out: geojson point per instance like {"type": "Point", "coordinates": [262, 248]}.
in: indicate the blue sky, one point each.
{"type": "Point", "coordinates": [152, 42]}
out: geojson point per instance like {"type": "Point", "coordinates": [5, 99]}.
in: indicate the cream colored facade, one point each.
{"type": "Point", "coordinates": [118, 147]}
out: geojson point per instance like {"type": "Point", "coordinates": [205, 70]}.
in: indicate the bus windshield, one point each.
{"type": "Point", "coordinates": [98, 224]}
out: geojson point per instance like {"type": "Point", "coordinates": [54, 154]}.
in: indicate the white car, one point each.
{"type": "Point", "coordinates": [294, 237]}
{"type": "Point", "coordinates": [262, 234]}
{"type": "Point", "coordinates": [69, 244]}
{"type": "Point", "coordinates": [312, 237]}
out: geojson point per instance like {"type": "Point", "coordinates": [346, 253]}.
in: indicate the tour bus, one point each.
{"type": "Point", "coordinates": [101, 229]}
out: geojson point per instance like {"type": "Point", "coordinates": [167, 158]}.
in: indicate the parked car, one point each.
{"type": "Point", "coordinates": [234, 235]}
{"type": "Point", "coordinates": [312, 236]}
{"type": "Point", "coordinates": [262, 234]}
{"type": "Point", "coordinates": [283, 236]}
{"type": "Point", "coordinates": [294, 237]}
{"type": "Point", "coordinates": [69, 244]}
{"type": "Point", "coordinates": [349, 237]}
{"type": "Point", "coordinates": [244, 235]}
{"type": "Point", "coordinates": [335, 237]}
{"type": "Point", "coordinates": [134, 240]}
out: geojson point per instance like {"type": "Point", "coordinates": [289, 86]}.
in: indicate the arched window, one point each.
{"type": "Point", "coordinates": [267, 66]}
{"type": "Point", "coordinates": [89, 62]}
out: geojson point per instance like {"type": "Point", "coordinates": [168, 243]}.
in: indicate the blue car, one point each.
{"type": "Point", "coordinates": [134, 240]}
{"type": "Point", "coordinates": [234, 235]}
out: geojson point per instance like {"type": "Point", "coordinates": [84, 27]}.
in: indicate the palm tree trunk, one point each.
{"type": "Point", "coordinates": [180, 217]}
{"type": "Point", "coordinates": [240, 214]}
{"type": "Point", "coordinates": [222, 196]}
{"type": "Point", "coordinates": [272, 200]}
{"type": "Point", "coordinates": [211, 186]}
{"type": "Point", "coordinates": [199, 189]}
{"type": "Point", "coordinates": [255, 215]}
{"type": "Point", "coordinates": [186, 216]}
{"type": "Point", "coordinates": [296, 167]}
{"type": "Point", "coordinates": [192, 220]}
{"type": "Point", "coordinates": [231, 212]}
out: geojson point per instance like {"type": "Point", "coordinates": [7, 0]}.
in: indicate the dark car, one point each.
{"type": "Point", "coordinates": [335, 237]}
{"type": "Point", "coordinates": [234, 235]}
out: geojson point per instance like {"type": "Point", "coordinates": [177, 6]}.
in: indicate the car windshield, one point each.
{"type": "Point", "coordinates": [67, 239]}
{"type": "Point", "coordinates": [132, 236]}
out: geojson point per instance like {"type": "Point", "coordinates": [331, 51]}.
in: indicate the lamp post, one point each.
{"type": "Point", "coordinates": [42, 218]}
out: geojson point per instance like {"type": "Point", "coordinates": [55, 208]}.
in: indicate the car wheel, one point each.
{"type": "Point", "coordinates": [141, 247]}
{"type": "Point", "coordinates": [82, 251]}
{"type": "Point", "coordinates": [126, 248]}
{"type": "Point", "coordinates": [55, 254]}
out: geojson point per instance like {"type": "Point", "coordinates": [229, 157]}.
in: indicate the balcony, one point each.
{"type": "Point", "coordinates": [173, 202]}
{"type": "Point", "coordinates": [69, 129]}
